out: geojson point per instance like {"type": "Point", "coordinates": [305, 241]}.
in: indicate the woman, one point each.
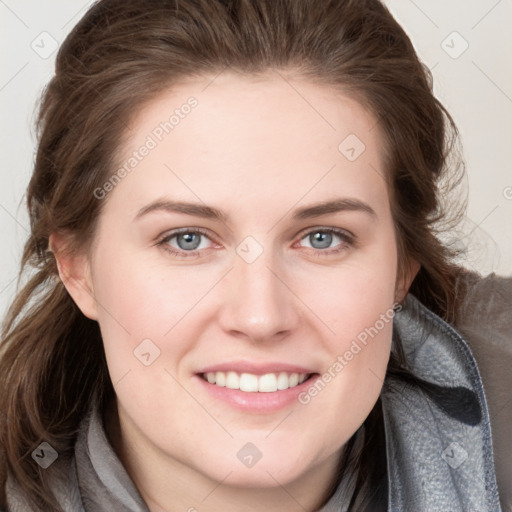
{"type": "Point", "coordinates": [239, 301]}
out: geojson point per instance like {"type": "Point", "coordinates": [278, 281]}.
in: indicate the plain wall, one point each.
{"type": "Point", "coordinates": [464, 43]}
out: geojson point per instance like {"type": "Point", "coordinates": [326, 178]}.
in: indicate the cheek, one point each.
{"type": "Point", "coordinates": [137, 303]}
{"type": "Point", "coordinates": [352, 298]}
{"type": "Point", "coordinates": [356, 304]}
{"type": "Point", "coordinates": [147, 307]}
{"type": "Point", "coordinates": [345, 393]}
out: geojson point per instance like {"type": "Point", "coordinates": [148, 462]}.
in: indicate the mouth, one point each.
{"type": "Point", "coordinates": [252, 383]}
{"type": "Point", "coordinates": [255, 387]}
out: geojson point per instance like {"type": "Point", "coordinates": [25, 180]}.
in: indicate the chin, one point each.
{"type": "Point", "coordinates": [256, 465]}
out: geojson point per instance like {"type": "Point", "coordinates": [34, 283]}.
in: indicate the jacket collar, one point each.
{"type": "Point", "coordinates": [438, 436]}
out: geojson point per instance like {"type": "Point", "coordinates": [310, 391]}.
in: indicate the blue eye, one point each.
{"type": "Point", "coordinates": [322, 238]}
{"type": "Point", "coordinates": [187, 241]}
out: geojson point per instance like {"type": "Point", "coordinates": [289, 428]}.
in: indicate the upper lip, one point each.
{"type": "Point", "coordinates": [255, 368]}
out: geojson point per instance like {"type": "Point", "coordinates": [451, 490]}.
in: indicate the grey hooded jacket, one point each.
{"type": "Point", "coordinates": [438, 438]}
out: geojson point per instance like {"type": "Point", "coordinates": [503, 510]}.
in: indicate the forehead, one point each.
{"type": "Point", "coordinates": [215, 136]}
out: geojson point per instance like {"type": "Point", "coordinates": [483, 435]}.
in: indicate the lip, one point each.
{"type": "Point", "coordinates": [256, 402]}
{"type": "Point", "coordinates": [255, 368]}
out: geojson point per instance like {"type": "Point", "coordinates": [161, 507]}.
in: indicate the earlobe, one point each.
{"type": "Point", "coordinates": [74, 272]}
{"type": "Point", "coordinates": [405, 280]}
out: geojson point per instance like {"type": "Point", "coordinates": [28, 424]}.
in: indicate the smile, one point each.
{"type": "Point", "coordinates": [251, 383]}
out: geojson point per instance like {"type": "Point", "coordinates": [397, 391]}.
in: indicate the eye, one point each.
{"type": "Point", "coordinates": [185, 242]}
{"type": "Point", "coordinates": [321, 239]}
{"type": "Point", "coordinates": [188, 242]}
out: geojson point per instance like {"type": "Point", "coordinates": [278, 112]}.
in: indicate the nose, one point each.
{"type": "Point", "coordinates": [258, 304]}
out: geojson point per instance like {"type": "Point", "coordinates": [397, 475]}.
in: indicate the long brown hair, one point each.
{"type": "Point", "coordinates": [119, 56]}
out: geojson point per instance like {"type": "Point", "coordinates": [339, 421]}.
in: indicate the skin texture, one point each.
{"type": "Point", "coordinates": [256, 148]}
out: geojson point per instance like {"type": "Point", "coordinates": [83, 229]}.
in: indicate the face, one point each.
{"type": "Point", "coordinates": [244, 273]}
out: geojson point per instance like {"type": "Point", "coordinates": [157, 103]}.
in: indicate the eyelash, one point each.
{"type": "Point", "coordinates": [347, 238]}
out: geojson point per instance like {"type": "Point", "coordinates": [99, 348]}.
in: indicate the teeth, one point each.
{"type": "Point", "coordinates": [268, 383]}
{"type": "Point", "coordinates": [283, 381]}
{"type": "Point", "coordinates": [250, 383]}
{"type": "Point", "coordinates": [232, 380]}
{"type": "Point", "coordinates": [220, 379]}
{"type": "Point", "coordinates": [294, 380]}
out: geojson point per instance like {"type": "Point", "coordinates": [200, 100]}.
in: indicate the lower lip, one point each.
{"type": "Point", "coordinates": [257, 401]}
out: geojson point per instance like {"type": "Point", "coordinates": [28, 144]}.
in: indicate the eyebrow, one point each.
{"type": "Point", "coordinates": [209, 212]}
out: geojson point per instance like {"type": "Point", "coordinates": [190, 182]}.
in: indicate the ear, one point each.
{"type": "Point", "coordinates": [405, 279]}
{"type": "Point", "coordinates": [75, 274]}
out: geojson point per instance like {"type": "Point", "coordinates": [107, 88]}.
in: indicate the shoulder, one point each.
{"type": "Point", "coordinates": [484, 320]}
{"type": "Point", "coordinates": [491, 294]}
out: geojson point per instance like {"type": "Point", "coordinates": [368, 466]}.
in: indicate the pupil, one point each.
{"type": "Point", "coordinates": [325, 239]}
{"type": "Point", "coordinates": [188, 241]}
